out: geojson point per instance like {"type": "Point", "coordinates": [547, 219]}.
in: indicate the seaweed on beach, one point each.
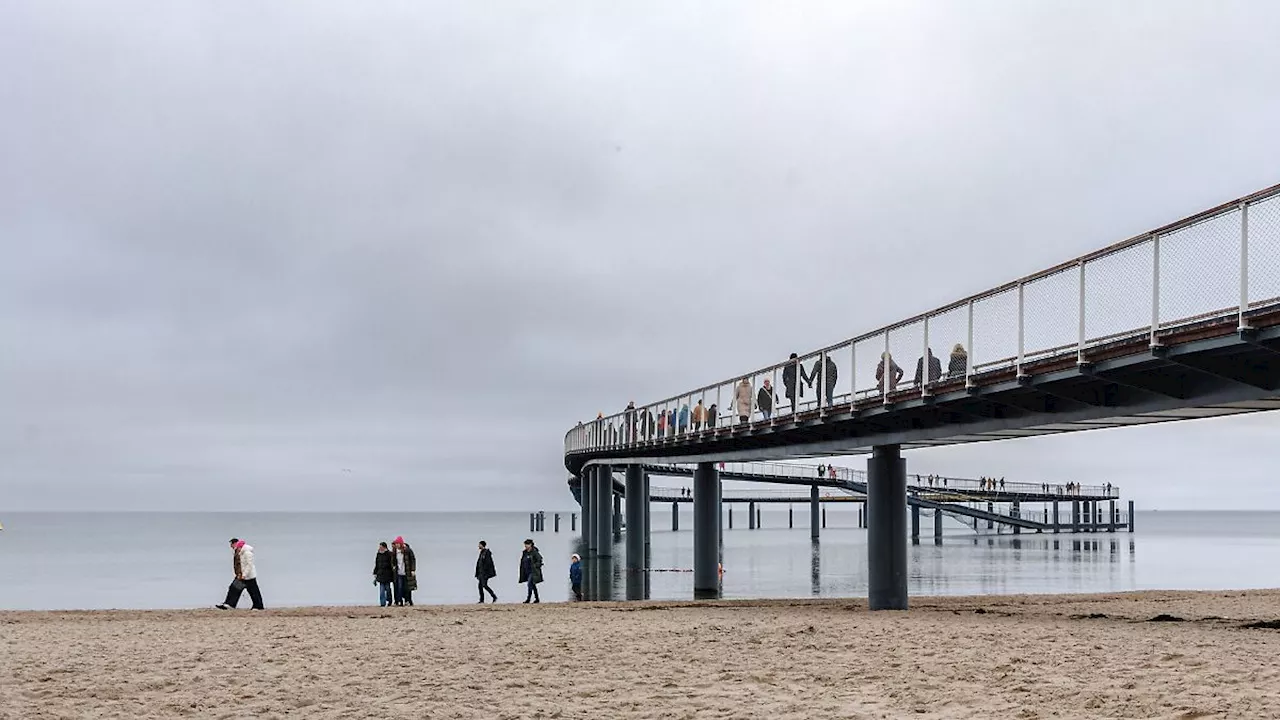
{"type": "Point", "coordinates": [1164, 617]}
{"type": "Point", "coordinates": [1092, 616]}
{"type": "Point", "coordinates": [1262, 625]}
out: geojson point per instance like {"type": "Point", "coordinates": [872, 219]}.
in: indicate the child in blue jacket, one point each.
{"type": "Point", "coordinates": [575, 576]}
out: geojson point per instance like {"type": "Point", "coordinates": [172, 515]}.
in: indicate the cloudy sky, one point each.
{"type": "Point", "coordinates": [336, 255]}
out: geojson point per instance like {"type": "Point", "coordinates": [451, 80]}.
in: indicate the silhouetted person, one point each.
{"type": "Point", "coordinates": [791, 383]}
{"type": "Point", "coordinates": [828, 383]}
{"type": "Point", "coordinates": [712, 413]}
{"type": "Point", "coordinates": [888, 373]}
{"type": "Point", "coordinates": [629, 421]}
{"type": "Point", "coordinates": [935, 369]}
{"type": "Point", "coordinates": [531, 570]}
{"type": "Point", "coordinates": [958, 366]}
{"type": "Point", "coordinates": [485, 570]}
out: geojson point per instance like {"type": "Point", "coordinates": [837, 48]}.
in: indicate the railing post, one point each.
{"type": "Point", "coordinates": [885, 371]}
{"type": "Point", "coordinates": [1021, 327]}
{"type": "Point", "coordinates": [1244, 265]}
{"type": "Point", "coordinates": [822, 378]}
{"type": "Point", "coordinates": [853, 374]}
{"type": "Point", "coordinates": [1155, 290]}
{"type": "Point", "coordinates": [924, 361]}
{"type": "Point", "coordinates": [773, 397]}
{"type": "Point", "coordinates": [968, 369]}
{"type": "Point", "coordinates": [1080, 338]}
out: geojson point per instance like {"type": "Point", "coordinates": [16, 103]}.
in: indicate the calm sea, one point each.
{"type": "Point", "coordinates": [180, 560]}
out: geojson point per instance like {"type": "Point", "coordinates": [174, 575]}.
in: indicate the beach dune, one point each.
{"type": "Point", "coordinates": [1139, 655]}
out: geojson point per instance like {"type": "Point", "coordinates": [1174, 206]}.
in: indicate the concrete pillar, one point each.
{"type": "Point", "coordinates": [604, 511]}
{"type": "Point", "coordinates": [730, 509]}
{"type": "Point", "coordinates": [1130, 516]}
{"type": "Point", "coordinates": [886, 531]}
{"type": "Point", "coordinates": [533, 522]}
{"type": "Point", "coordinates": [573, 521]}
{"type": "Point", "coordinates": [635, 523]}
{"type": "Point", "coordinates": [1075, 516]}
{"type": "Point", "coordinates": [589, 509]}
{"type": "Point", "coordinates": [557, 522]}
{"type": "Point", "coordinates": [675, 516]}
{"type": "Point", "coordinates": [617, 517]}
{"type": "Point", "coordinates": [824, 518]}
{"type": "Point", "coordinates": [1016, 511]}
{"type": "Point", "coordinates": [791, 517]}
{"type": "Point", "coordinates": [648, 524]}
{"type": "Point", "coordinates": [759, 524]}
{"type": "Point", "coordinates": [706, 548]}
{"type": "Point", "coordinates": [751, 516]}
{"type": "Point", "coordinates": [915, 523]}
{"type": "Point", "coordinates": [813, 512]}
{"type": "Point", "coordinates": [991, 508]}
{"type": "Point", "coordinates": [862, 521]}
{"type": "Point", "coordinates": [1056, 526]}
{"type": "Point", "coordinates": [1113, 520]}
{"type": "Point", "coordinates": [937, 523]}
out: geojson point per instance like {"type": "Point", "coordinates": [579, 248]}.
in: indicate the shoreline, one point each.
{"type": "Point", "coordinates": [1166, 654]}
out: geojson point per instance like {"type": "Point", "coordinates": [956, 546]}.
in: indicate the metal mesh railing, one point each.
{"type": "Point", "coordinates": [1220, 266]}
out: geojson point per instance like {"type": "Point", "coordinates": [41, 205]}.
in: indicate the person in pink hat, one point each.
{"type": "Point", "coordinates": [246, 576]}
{"type": "Point", "coordinates": [406, 571]}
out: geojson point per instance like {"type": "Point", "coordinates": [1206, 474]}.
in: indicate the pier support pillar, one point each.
{"type": "Point", "coordinates": [589, 508]}
{"type": "Point", "coordinates": [706, 546]}
{"type": "Point", "coordinates": [604, 511]}
{"type": "Point", "coordinates": [862, 521]}
{"type": "Point", "coordinates": [886, 531]}
{"type": "Point", "coordinates": [751, 516]}
{"type": "Point", "coordinates": [915, 523]}
{"type": "Point", "coordinates": [730, 510]}
{"type": "Point", "coordinates": [675, 516]}
{"type": "Point", "coordinates": [824, 518]}
{"type": "Point", "coordinates": [617, 517]}
{"type": "Point", "coordinates": [1130, 516]}
{"type": "Point", "coordinates": [1015, 510]}
{"type": "Point", "coordinates": [991, 508]}
{"type": "Point", "coordinates": [759, 517]}
{"type": "Point", "coordinates": [937, 524]}
{"type": "Point", "coordinates": [1075, 516]}
{"type": "Point", "coordinates": [1113, 520]}
{"type": "Point", "coordinates": [813, 513]}
{"type": "Point", "coordinates": [1056, 527]}
{"type": "Point", "coordinates": [648, 525]}
{"type": "Point", "coordinates": [635, 519]}
{"type": "Point", "coordinates": [791, 517]}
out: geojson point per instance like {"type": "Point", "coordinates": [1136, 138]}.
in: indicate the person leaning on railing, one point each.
{"type": "Point", "coordinates": [959, 363]}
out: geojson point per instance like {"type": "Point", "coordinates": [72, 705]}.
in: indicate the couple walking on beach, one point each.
{"type": "Point", "coordinates": [530, 571]}
{"type": "Point", "coordinates": [395, 572]}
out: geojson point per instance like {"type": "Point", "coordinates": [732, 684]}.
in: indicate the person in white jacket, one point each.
{"type": "Point", "coordinates": [246, 576]}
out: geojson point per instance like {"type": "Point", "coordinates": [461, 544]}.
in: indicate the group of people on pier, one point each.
{"type": "Point", "coordinates": [648, 424]}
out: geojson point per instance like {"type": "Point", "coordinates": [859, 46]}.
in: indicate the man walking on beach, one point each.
{"type": "Point", "coordinates": [406, 571]}
{"type": "Point", "coordinates": [531, 570]}
{"type": "Point", "coordinates": [484, 571]}
{"type": "Point", "coordinates": [246, 576]}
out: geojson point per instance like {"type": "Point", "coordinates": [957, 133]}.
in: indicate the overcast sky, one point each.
{"type": "Point", "coordinates": [337, 255]}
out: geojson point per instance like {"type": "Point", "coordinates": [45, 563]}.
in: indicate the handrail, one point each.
{"type": "Point", "coordinates": [1164, 267]}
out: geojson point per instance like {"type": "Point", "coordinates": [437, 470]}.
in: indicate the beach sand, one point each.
{"type": "Point", "coordinates": [970, 657]}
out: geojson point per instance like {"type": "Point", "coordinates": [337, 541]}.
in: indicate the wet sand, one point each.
{"type": "Point", "coordinates": [1097, 656]}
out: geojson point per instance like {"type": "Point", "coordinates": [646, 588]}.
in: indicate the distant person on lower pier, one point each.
{"type": "Point", "coordinates": [742, 401]}
{"type": "Point", "coordinates": [384, 573]}
{"type": "Point", "coordinates": [484, 571]}
{"type": "Point", "coordinates": [531, 571]}
{"type": "Point", "coordinates": [406, 571]}
{"type": "Point", "coordinates": [575, 576]}
{"type": "Point", "coordinates": [246, 576]}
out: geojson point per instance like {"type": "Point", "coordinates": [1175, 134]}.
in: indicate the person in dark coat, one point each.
{"type": "Point", "coordinates": [575, 575]}
{"type": "Point", "coordinates": [815, 375]}
{"type": "Point", "coordinates": [531, 570]}
{"type": "Point", "coordinates": [935, 368]}
{"type": "Point", "coordinates": [765, 398]}
{"type": "Point", "coordinates": [790, 383]}
{"type": "Point", "coordinates": [958, 365]}
{"type": "Point", "coordinates": [406, 571]}
{"type": "Point", "coordinates": [484, 571]}
{"type": "Point", "coordinates": [384, 573]}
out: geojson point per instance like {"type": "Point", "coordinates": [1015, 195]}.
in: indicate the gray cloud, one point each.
{"type": "Point", "coordinates": [246, 247]}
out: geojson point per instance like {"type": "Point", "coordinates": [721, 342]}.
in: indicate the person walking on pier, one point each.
{"type": "Point", "coordinates": [791, 383]}
{"type": "Point", "coordinates": [629, 421]}
{"type": "Point", "coordinates": [765, 398]}
{"type": "Point", "coordinates": [384, 573]}
{"type": "Point", "coordinates": [742, 401]}
{"type": "Point", "coordinates": [935, 368]}
{"type": "Point", "coordinates": [406, 571]}
{"type": "Point", "coordinates": [958, 365]}
{"type": "Point", "coordinates": [888, 373]}
{"type": "Point", "coordinates": [484, 571]}
{"type": "Point", "coordinates": [712, 413]}
{"type": "Point", "coordinates": [531, 571]}
{"type": "Point", "coordinates": [699, 415]}
{"type": "Point", "coordinates": [575, 576]}
{"type": "Point", "coordinates": [246, 577]}
{"type": "Point", "coordinates": [827, 383]}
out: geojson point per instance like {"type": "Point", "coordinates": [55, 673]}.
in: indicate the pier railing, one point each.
{"type": "Point", "coordinates": [1218, 266]}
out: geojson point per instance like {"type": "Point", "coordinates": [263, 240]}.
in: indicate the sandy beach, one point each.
{"type": "Point", "coordinates": [971, 657]}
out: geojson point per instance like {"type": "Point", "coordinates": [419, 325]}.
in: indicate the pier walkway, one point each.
{"type": "Point", "coordinates": [1178, 323]}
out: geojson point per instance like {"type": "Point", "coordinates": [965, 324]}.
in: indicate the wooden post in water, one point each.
{"type": "Point", "coordinates": [675, 516]}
